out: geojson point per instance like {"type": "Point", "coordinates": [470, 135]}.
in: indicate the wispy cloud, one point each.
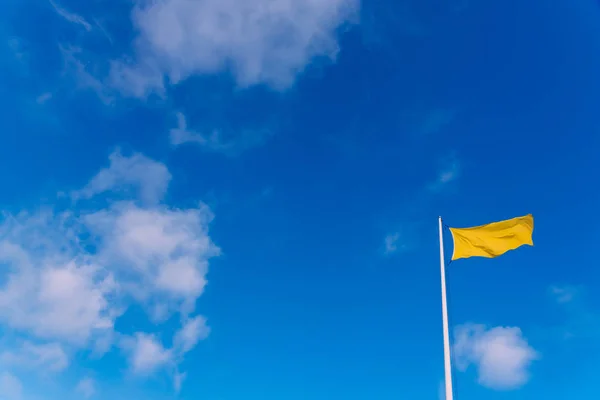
{"type": "Point", "coordinates": [565, 294]}
{"type": "Point", "coordinates": [148, 179]}
{"type": "Point", "coordinates": [11, 387]}
{"type": "Point", "coordinates": [103, 30]}
{"type": "Point", "coordinates": [258, 41]}
{"type": "Point", "coordinates": [18, 49]}
{"type": "Point", "coordinates": [448, 173]}
{"type": "Point", "coordinates": [147, 354]}
{"type": "Point", "coordinates": [43, 98]}
{"type": "Point", "coordinates": [392, 243]}
{"type": "Point", "coordinates": [84, 79]}
{"type": "Point", "coordinates": [192, 331]}
{"type": "Point", "coordinates": [86, 388]}
{"type": "Point", "coordinates": [71, 17]}
{"type": "Point", "coordinates": [501, 355]}
{"type": "Point", "coordinates": [71, 274]}
{"type": "Point", "coordinates": [53, 313]}
{"type": "Point", "coordinates": [49, 357]}
{"type": "Point", "coordinates": [407, 234]}
{"type": "Point", "coordinates": [178, 381]}
{"type": "Point", "coordinates": [215, 140]}
{"type": "Point", "coordinates": [581, 321]}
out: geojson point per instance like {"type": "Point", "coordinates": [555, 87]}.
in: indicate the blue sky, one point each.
{"type": "Point", "coordinates": [232, 200]}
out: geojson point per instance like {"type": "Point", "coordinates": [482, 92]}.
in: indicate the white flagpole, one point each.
{"type": "Point", "coordinates": [447, 364]}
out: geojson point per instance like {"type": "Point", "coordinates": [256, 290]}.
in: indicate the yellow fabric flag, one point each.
{"type": "Point", "coordinates": [492, 240]}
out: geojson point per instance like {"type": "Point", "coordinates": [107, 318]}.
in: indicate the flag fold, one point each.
{"type": "Point", "coordinates": [492, 240]}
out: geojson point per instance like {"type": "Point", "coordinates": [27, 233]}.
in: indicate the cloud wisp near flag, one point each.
{"type": "Point", "coordinates": [492, 240]}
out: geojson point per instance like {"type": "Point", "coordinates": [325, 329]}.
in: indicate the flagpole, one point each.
{"type": "Point", "coordinates": [447, 364]}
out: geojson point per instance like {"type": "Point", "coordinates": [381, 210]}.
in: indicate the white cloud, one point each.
{"type": "Point", "coordinates": [69, 275]}
{"type": "Point", "coordinates": [215, 141]}
{"type": "Point", "coordinates": [103, 31]}
{"type": "Point", "coordinates": [259, 41]}
{"type": "Point", "coordinates": [150, 178]}
{"type": "Point", "coordinates": [17, 48]}
{"type": "Point", "coordinates": [86, 387]}
{"type": "Point", "coordinates": [166, 251]}
{"type": "Point", "coordinates": [447, 174]}
{"type": "Point", "coordinates": [147, 354]}
{"type": "Point", "coordinates": [391, 243]}
{"type": "Point", "coordinates": [178, 381]}
{"type": "Point", "coordinates": [43, 98]}
{"type": "Point", "coordinates": [501, 355]}
{"type": "Point", "coordinates": [71, 17]}
{"type": "Point", "coordinates": [192, 331]}
{"type": "Point", "coordinates": [84, 79]}
{"type": "Point", "coordinates": [48, 357]}
{"type": "Point", "coordinates": [11, 387]}
{"type": "Point", "coordinates": [581, 320]}
{"type": "Point", "coordinates": [51, 290]}
{"type": "Point", "coordinates": [400, 241]}
{"type": "Point", "coordinates": [564, 294]}
{"type": "Point", "coordinates": [137, 80]}
{"type": "Point", "coordinates": [182, 134]}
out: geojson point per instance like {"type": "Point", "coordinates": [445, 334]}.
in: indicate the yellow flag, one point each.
{"type": "Point", "coordinates": [492, 240]}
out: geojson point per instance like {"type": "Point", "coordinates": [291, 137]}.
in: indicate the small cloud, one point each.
{"type": "Point", "coordinates": [391, 243]}
{"type": "Point", "coordinates": [267, 192]}
{"type": "Point", "coordinates": [182, 134]}
{"type": "Point", "coordinates": [46, 357]}
{"type": "Point", "coordinates": [83, 78]}
{"type": "Point", "coordinates": [136, 80]}
{"type": "Point", "coordinates": [581, 321]}
{"type": "Point", "coordinates": [86, 387]}
{"type": "Point", "coordinates": [178, 379]}
{"type": "Point", "coordinates": [215, 141]}
{"type": "Point", "coordinates": [449, 174]}
{"type": "Point", "coordinates": [564, 294]}
{"type": "Point", "coordinates": [18, 49]}
{"type": "Point", "coordinates": [71, 17]}
{"type": "Point", "coordinates": [103, 30]}
{"type": "Point", "coordinates": [193, 330]}
{"type": "Point", "coordinates": [446, 175]}
{"type": "Point", "coordinates": [147, 354]}
{"type": "Point", "coordinates": [501, 355]}
{"type": "Point", "coordinates": [43, 98]}
{"type": "Point", "coordinates": [11, 387]}
{"type": "Point", "coordinates": [150, 178]}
